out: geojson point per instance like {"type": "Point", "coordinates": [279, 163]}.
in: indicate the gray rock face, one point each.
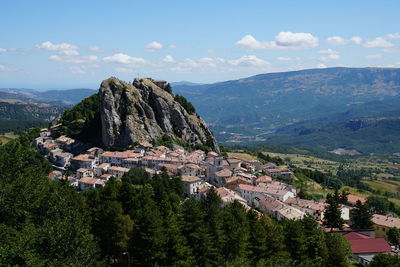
{"type": "Point", "coordinates": [142, 111]}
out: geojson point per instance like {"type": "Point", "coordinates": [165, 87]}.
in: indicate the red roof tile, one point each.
{"type": "Point", "coordinates": [354, 235]}
{"type": "Point", "coordinates": [369, 245]}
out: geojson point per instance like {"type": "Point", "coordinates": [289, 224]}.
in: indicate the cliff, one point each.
{"type": "Point", "coordinates": [145, 110]}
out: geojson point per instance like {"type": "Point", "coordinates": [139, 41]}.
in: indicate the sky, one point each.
{"type": "Point", "coordinates": [77, 44]}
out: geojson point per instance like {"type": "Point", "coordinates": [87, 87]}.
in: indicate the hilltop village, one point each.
{"type": "Point", "coordinates": [253, 184]}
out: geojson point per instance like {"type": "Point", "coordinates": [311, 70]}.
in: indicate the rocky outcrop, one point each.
{"type": "Point", "coordinates": [143, 111]}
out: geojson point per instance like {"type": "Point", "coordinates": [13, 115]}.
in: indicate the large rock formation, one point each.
{"type": "Point", "coordinates": [145, 111]}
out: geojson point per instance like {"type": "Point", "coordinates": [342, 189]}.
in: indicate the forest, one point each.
{"type": "Point", "coordinates": [45, 223]}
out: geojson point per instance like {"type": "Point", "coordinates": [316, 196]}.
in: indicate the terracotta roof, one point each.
{"type": "Point", "coordinates": [386, 221]}
{"type": "Point", "coordinates": [355, 235]}
{"type": "Point", "coordinates": [353, 199]}
{"type": "Point", "coordinates": [190, 179]}
{"type": "Point", "coordinates": [251, 188]}
{"type": "Point", "coordinates": [212, 154]}
{"type": "Point", "coordinates": [169, 166]}
{"type": "Point", "coordinates": [82, 157]}
{"type": "Point", "coordinates": [271, 204]}
{"type": "Point", "coordinates": [224, 173]}
{"type": "Point", "coordinates": [236, 178]}
{"type": "Point", "coordinates": [264, 179]}
{"type": "Point", "coordinates": [54, 174]}
{"type": "Point", "coordinates": [103, 165]}
{"type": "Point", "coordinates": [116, 168]}
{"type": "Point", "coordinates": [117, 154]}
{"type": "Point", "coordinates": [193, 166]}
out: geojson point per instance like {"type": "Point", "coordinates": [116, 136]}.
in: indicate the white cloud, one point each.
{"type": "Point", "coordinates": [356, 40]}
{"type": "Point", "coordinates": [375, 56]}
{"type": "Point", "coordinates": [56, 47]}
{"type": "Point", "coordinates": [393, 36]}
{"type": "Point", "coordinates": [284, 58]}
{"type": "Point", "coordinates": [211, 62]}
{"type": "Point", "coordinates": [168, 59]}
{"type": "Point", "coordinates": [301, 39]}
{"type": "Point", "coordinates": [124, 59]}
{"type": "Point", "coordinates": [321, 66]}
{"type": "Point", "coordinates": [250, 42]}
{"type": "Point", "coordinates": [6, 69]}
{"type": "Point", "coordinates": [378, 42]}
{"type": "Point", "coordinates": [78, 70]}
{"type": "Point", "coordinates": [3, 50]}
{"type": "Point", "coordinates": [284, 40]}
{"type": "Point", "coordinates": [248, 61]}
{"type": "Point", "coordinates": [337, 40]}
{"type": "Point", "coordinates": [329, 55]}
{"type": "Point", "coordinates": [94, 48]}
{"type": "Point", "coordinates": [188, 62]}
{"type": "Point", "coordinates": [203, 64]}
{"type": "Point", "coordinates": [75, 60]}
{"type": "Point", "coordinates": [172, 46]}
{"type": "Point", "coordinates": [153, 46]}
{"type": "Point", "coordinates": [69, 52]}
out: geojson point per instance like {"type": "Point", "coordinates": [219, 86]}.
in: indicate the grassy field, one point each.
{"type": "Point", "coordinates": [243, 156]}
{"type": "Point", "coordinates": [4, 138]}
{"type": "Point", "coordinates": [384, 185]}
{"type": "Point", "coordinates": [304, 161]}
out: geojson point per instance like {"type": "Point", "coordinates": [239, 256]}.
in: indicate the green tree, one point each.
{"type": "Point", "coordinates": [185, 103]}
{"type": "Point", "coordinates": [393, 235]}
{"type": "Point", "coordinates": [196, 232]}
{"type": "Point", "coordinates": [315, 242]}
{"type": "Point", "coordinates": [378, 205]}
{"type": "Point", "coordinates": [236, 231]}
{"type": "Point", "coordinates": [381, 260]}
{"type": "Point", "coordinates": [361, 217]}
{"type": "Point", "coordinates": [339, 250]}
{"type": "Point", "coordinates": [112, 228]}
{"type": "Point", "coordinates": [295, 240]}
{"type": "Point", "coordinates": [332, 214]}
{"type": "Point", "coordinates": [42, 223]}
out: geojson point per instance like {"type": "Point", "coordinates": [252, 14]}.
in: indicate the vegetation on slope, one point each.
{"type": "Point", "coordinates": [42, 223]}
{"type": "Point", "coordinates": [83, 120]}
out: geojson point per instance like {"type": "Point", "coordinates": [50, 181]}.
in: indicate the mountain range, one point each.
{"type": "Point", "coordinates": [313, 108]}
{"type": "Point", "coordinates": [277, 107]}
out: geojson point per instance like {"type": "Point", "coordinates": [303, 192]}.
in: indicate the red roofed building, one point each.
{"type": "Point", "coordinates": [263, 180]}
{"type": "Point", "coordinates": [352, 200]}
{"type": "Point", "coordinates": [365, 248]}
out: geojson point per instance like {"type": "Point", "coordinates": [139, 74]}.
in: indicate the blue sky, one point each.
{"type": "Point", "coordinates": [76, 44]}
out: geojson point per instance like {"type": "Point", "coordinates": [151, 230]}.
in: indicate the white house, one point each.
{"type": "Point", "coordinates": [191, 184]}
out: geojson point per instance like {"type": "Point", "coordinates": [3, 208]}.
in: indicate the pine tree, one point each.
{"type": "Point", "coordinates": [332, 214]}
{"type": "Point", "coordinates": [393, 235]}
{"type": "Point", "coordinates": [361, 217]}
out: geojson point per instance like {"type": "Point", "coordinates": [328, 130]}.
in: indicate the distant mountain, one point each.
{"type": "Point", "coordinates": [185, 83]}
{"type": "Point", "coordinates": [366, 135]}
{"type": "Point", "coordinates": [28, 111]}
{"type": "Point", "coordinates": [251, 109]}
{"type": "Point", "coordinates": [67, 97]}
